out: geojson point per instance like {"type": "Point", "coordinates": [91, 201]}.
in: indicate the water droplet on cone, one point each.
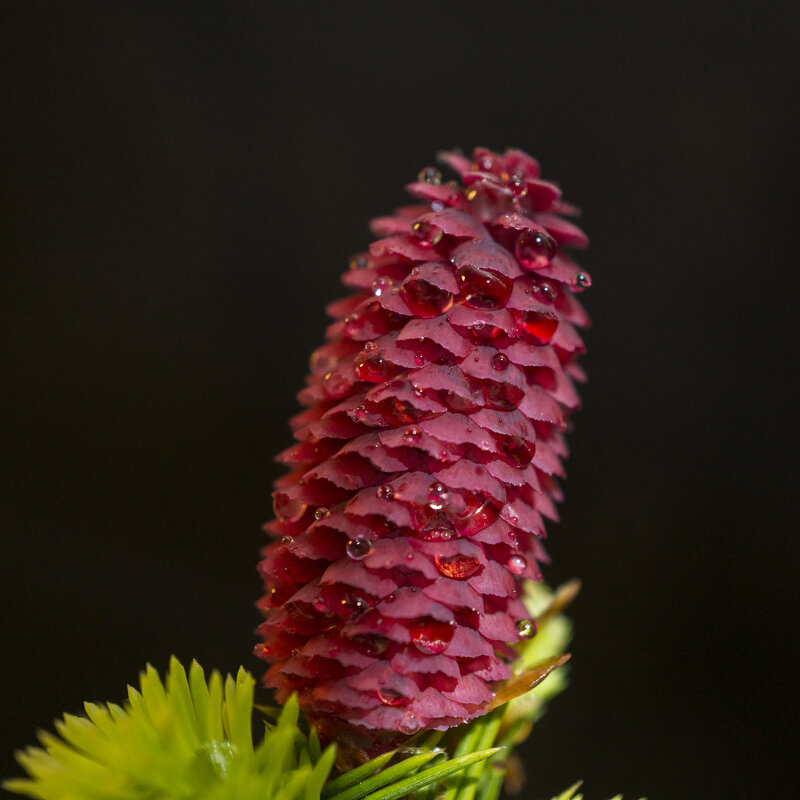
{"type": "Point", "coordinates": [535, 326]}
{"type": "Point", "coordinates": [384, 492]}
{"type": "Point", "coordinates": [358, 548]}
{"type": "Point", "coordinates": [459, 567]}
{"type": "Point", "coordinates": [534, 249]}
{"type": "Point", "coordinates": [517, 564]}
{"type": "Point", "coordinates": [483, 288]}
{"type": "Point", "coordinates": [431, 636]}
{"type": "Point", "coordinates": [391, 697]}
{"type": "Point", "coordinates": [424, 299]}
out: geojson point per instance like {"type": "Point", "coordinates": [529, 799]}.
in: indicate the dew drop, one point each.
{"type": "Point", "coordinates": [545, 292]}
{"type": "Point", "coordinates": [582, 281]}
{"type": "Point", "coordinates": [430, 175]}
{"type": "Point", "coordinates": [360, 261]}
{"type": "Point", "coordinates": [356, 602]}
{"type": "Point", "coordinates": [502, 396]}
{"type": "Point", "coordinates": [482, 332]}
{"type": "Point", "coordinates": [437, 496]}
{"type": "Point", "coordinates": [424, 299]}
{"type": "Point", "coordinates": [516, 450]}
{"type": "Point", "coordinates": [428, 234]}
{"type": "Point", "coordinates": [526, 628]}
{"type": "Point", "coordinates": [439, 528]}
{"type": "Point", "coordinates": [430, 636]}
{"type": "Point", "coordinates": [384, 492]}
{"type": "Point", "coordinates": [372, 644]}
{"type": "Point", "coordinates": [261, 651]}
{"type": "Point", "coordinates": [536, 327]}
{"type": "Point", "coordinates": [459, 567]}
{"type": "Point", "coordinates": [322, 512]}
{"type": "Point", "coordinates": [381, 286]}
{"type": "Point", "coordinates": [483, 288]}
{"type": "Point", "coordinates": [500, 362]}
{"type": "Point", "coordinates": [373, 368]}
{"type": "Point", "coordinates": [360, 413]}
{"type": "Point", "coordinates": [410, 724]}
{"type": "Point", "coordinates": [517, 564]}
{"type": "Point", "coordinates": [358, 548]}
{"type": "Point", "coordinates": [411, 435]}
{"type": "Point", "coordinates": [518, 185]}
{"type": "Point", "coordinates": [390, 697]}
{"type": "Point", "coordinates": [288, 509]}
{"type": "Point", "coordinates": [534, 249]}
{"type": "Point", "coordinates": [287, 539]}
{"type": "Point", "coordinates": [479, 512]}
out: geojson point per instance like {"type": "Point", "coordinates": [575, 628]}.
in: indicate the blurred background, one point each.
{"type": "Point", "coordinates": [181, 187]}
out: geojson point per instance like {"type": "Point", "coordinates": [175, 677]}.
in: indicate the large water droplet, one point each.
{"type": "Point", "coordinates": [516, 451]}
{"type": "Point", "coordinates": [424, 299]}
{"type": "Point", "coordinates": [499, 362]}
{"type": "Point", "coordinates": [428, 234]}
{"type": "Point", "coordinates": [477, 514]}
{"type": "Point", "coordinates": [439, 528]}
{"type": "Point", "coordinates": [322, 513]}
{"type": "Point", "coordinates": [261, 651]}
{"type": "Point", "coordinates": [535, 326]}
{"type": "Point", "coordinates": [482, 332]}
{"type": "Point", "coordinates": [381, 285]}
{"type": "Point", "coordinates": [459, 567]}
{"type": "Point", "coordinates": [384, 492]}
{"type": "Point", "coordinates": [517, 564]}
{"type": "Point", "coordinates": [526, 628]}
{"type": "Point", "coordinates": [455, 402]}
{"type": "Point", "coordinates": [288, 509]}
{"type": "Point", "coordinates": [483, 288]}
{"type": "Point", "coordinates": [430, 636]}
{"type": "Point", "coordinates": [430, 175]}
{"type": "Point", "coordinates": [502, 396]}
{"type": "Point", "coordinates": [358, 548]}
{"type": "Point", "coordinates": [409, 724]}
{"type": "Point", "coordinates": [373, 368]}
{"type": "Point", "coordinates": [391, 697]}
{"type": "Point", "coordinates": [371, 644]}
{"type": "Point", "coordinates": [534, 249]}
{"type": "Point", "coordinates": [545, 292]}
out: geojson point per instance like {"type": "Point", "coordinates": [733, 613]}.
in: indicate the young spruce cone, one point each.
{"type": "Point", "coordinates": [427, 456]}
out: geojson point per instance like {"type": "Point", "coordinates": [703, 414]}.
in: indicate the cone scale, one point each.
{"type": "Point", "coordinates": [427, 457]}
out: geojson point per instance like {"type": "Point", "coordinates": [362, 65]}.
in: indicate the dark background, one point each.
{"type": "Point", "coordinates": [182, 186]}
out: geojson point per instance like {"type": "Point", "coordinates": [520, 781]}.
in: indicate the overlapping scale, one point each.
{"type": "Point", "coordinates": [428, 456]}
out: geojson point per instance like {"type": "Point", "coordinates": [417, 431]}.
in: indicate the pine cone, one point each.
{"type": "Point", "coordinates": [427, 456]}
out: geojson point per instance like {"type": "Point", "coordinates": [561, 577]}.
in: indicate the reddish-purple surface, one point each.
{"type": "Point", "coordinates": [428, 455]}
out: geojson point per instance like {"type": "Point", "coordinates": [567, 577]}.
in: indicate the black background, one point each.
{"type": "Point", "coordinates": [182, 186]}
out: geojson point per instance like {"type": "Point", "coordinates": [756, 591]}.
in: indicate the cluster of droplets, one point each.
{"type": "Point", "coordinates": [429, 454]}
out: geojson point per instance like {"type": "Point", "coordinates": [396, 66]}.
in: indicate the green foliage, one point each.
{"type": "Point", "coordinates": [190, 738]}
{"type": "Point", "coordinates": [571, 794]}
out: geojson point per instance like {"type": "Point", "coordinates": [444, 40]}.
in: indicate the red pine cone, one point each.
{"type": "Point", "coordinates": [428, 455]}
